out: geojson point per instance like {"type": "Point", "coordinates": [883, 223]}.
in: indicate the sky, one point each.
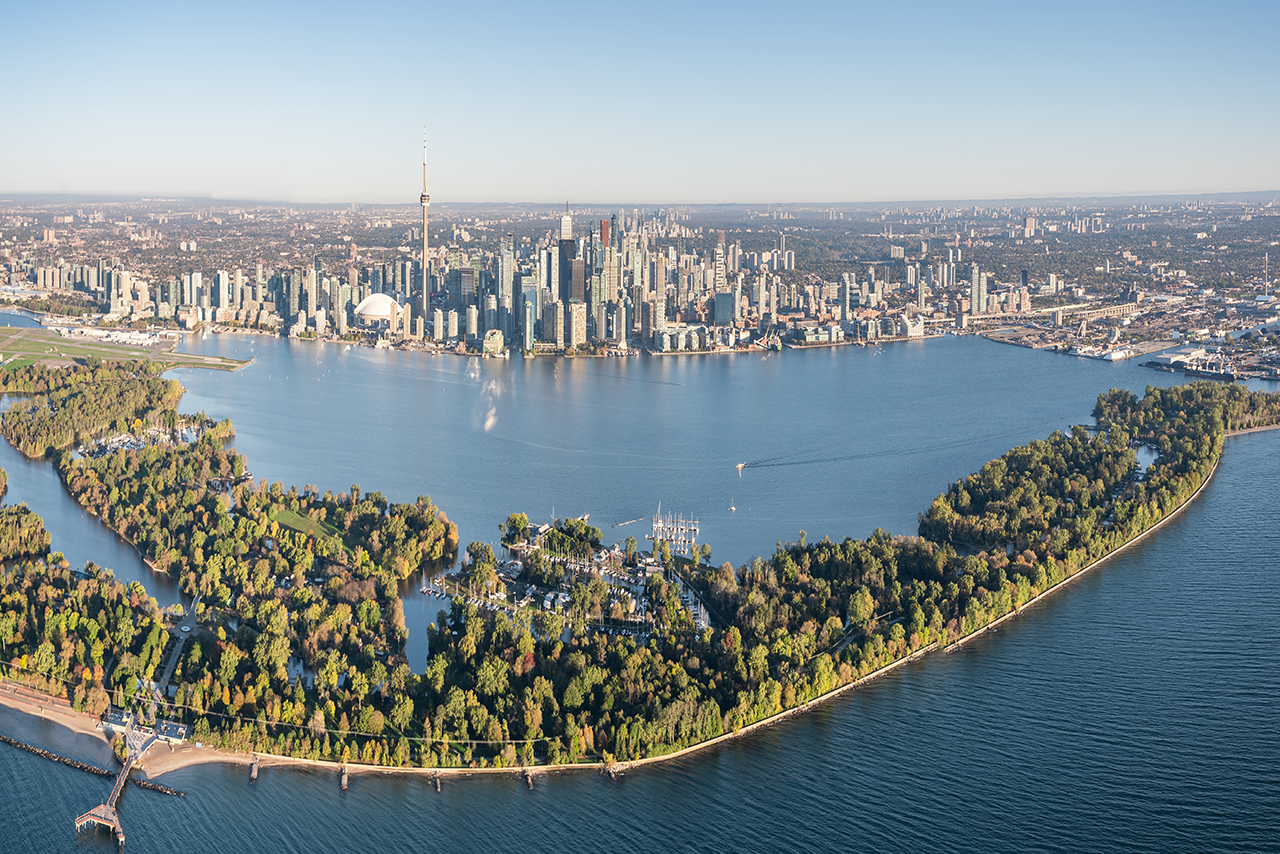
{"type": "Point", "coordinates": [655, 102]}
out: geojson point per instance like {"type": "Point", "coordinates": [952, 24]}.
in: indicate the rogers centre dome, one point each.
{"type": "Point", "coordinates": [376, 307]}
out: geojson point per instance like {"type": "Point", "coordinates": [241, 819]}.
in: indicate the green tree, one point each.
{"type": "Point", "coordinates": [402, 713]}
{"type": "Point", "coordinates": [229, 664]}
{"type": "Point", "coordinates": [516, 528]}
{"type": "Point", "coordinates": [861, 608]}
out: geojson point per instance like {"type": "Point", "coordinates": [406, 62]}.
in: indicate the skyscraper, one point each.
{"type": "Point", "coordinates": [577, 324]}
{"type": "Point", "coordinates": [506, 279]}
{"type": "Point", "coordinates": [568, 251]}
{"type": "Point", "coordinates": [577, 280]}
{"type": "Point", "coordinates": [222, 289]}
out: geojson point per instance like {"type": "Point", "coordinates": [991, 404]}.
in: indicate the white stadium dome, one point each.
{"type": "Point", "coordinates": [376, 307]}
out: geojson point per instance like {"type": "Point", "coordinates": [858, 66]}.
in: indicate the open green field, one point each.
{"type": "Point", "coordinates": [21, 346]}
{"type": "Point", "coordinates": [297, 522]}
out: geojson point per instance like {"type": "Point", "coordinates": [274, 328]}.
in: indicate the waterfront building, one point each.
{"type": "Point", "coordinates": [723, 309]}
{"type": "Point", "coordinates": [527, 327]}
{"type": "Point", "coordinates": [577, 332]}
{"type": "Point", "coordinates": [490, 312]}
{"type": "Point", "coordinates": [310, 289]}
{"type": "Point", "coordinates": [619, 323]}
{"type": "Point", "coordinates": [531, 295]}
{"type": "Point", "coordinates": [977, 297]}
{"type": "Point", "coordinates": [553, 315]}
{"type": "Point", "coordinates": [646, 322]}
{"type": "Point", "coordinates": [506, 271]}
{"type": "Point", "coordinates": [377, 311]}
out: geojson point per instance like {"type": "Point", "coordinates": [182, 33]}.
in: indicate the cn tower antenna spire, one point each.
{"type": "Point", "coordinates": [426, 258]}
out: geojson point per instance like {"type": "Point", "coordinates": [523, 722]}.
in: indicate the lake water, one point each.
{"type": "Point", "coordinates": [1136, 710]}
{"type": "Point", "coordinates": [75, 532]}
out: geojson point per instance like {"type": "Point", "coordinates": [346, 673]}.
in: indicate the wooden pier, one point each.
{"type": "Point", "coordinates": [105, 815]}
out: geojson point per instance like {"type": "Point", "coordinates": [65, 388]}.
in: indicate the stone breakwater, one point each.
{"type": "Point", "coordinates": [84, 766]}
{"type": "Point", "coordinates": [73, 763]}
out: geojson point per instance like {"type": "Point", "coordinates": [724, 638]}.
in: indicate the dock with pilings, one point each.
{"type": "Point", "coordinates": [104, 814]}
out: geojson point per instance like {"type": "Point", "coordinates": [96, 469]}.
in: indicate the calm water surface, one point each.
{"type": "Point", "coordinates": [838, 441]}
{"type": "Point", "coordinates": [1136, 710]}
{"type": "Point", "coordinates": [75, 532]}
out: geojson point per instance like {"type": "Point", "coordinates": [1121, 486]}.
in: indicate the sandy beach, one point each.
{"type": "Point", "coordinates": [1253, 430]}
{"type": "Point", "coordinates": [20, 698]}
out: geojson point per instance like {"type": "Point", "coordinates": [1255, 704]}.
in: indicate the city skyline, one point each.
{"type": "Point", "coordinates": [715, 103]}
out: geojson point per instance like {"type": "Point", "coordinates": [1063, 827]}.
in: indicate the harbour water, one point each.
{"type": "Point", "coordinates": [75, 532]}
{"type": "Point", "coordinates": [1135, 710]}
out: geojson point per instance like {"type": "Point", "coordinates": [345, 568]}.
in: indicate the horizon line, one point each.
{"type": "Point", "coordinates": [121, 197]}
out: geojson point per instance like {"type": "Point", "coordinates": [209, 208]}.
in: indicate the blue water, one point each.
{"type": "Point", "coordinates": [78, 534]}
{"type": "Point", "coordinates": [1135, 710]}
{"type": "Point", "coordinates": [861, 437]}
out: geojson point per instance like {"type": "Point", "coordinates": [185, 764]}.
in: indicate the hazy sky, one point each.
{"type": "Point", "coordinates": [644, 102]}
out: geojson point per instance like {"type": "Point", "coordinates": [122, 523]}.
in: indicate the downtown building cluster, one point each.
{"type": "Point", "coordinates": [621, 282]}
{"type": "Point", "coordinates": [530, 279]}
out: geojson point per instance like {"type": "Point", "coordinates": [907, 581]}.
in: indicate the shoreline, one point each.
{"type": "Point", "coordinates": [1070, 578]}
{"type": "Point", "coordinates": [28, 701]}
{"type": "Point", "coordinates": [773, 719]}
{"type": "Point", "coordinates": [188, 755]}
{"type": "Point", "coordinates": [1246, 430]}
{"type": "Point", "coordinates": [424, 346]}
{"type": "Point", "coordinates": [163, 758]}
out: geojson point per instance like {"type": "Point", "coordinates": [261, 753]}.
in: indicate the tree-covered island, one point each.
{"type": "Point", "coordinates": [622, 672]}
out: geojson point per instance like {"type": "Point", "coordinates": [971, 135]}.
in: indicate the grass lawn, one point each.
{"type": "Point", "coordinates": [31, 345]}
{"type": "Point", "coordinates": [297, 522]}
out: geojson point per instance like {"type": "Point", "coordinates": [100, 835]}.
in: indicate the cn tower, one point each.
{"type": "Point", "coordinates": [426, 203]}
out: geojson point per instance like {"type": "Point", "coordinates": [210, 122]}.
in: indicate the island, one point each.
{"type": "Point", "coordinates": [287, 582]}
